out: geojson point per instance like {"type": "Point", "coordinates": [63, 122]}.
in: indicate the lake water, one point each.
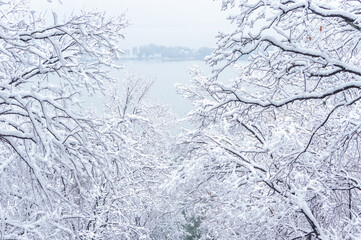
{"type": "Point", "coordinates": [166, 74]}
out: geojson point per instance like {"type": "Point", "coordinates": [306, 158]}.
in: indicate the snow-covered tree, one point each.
{"type": "Point", "coordinates": [276, 154]}
{"type": "Point", "coordinates": [52, 162]}
{"type": "Point", "coordinates": [138, 137]}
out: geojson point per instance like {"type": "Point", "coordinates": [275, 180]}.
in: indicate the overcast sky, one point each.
{"type": "Point", "coordinates": [191, 23]}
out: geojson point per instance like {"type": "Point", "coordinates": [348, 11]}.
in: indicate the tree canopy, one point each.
{"type": "Point", "coordinates": [276, 151]}
{"type": "Point", "coordinates": [67, 173]}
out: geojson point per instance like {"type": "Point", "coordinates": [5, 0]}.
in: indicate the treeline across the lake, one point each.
{"type": "Point", "coordinates": [153, 51]}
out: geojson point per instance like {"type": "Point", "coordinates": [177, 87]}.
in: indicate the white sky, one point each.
{"type": "Point", "coordinates": [191, 23]}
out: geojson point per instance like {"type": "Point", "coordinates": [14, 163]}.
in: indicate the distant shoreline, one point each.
{"type": "Point", "coordinates": [165, 53]}
{"type": "Point", "coordinates": [161, 59]}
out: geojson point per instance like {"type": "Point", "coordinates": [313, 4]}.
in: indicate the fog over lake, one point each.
{"type": "Point", "coordinates": [166, 74]}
